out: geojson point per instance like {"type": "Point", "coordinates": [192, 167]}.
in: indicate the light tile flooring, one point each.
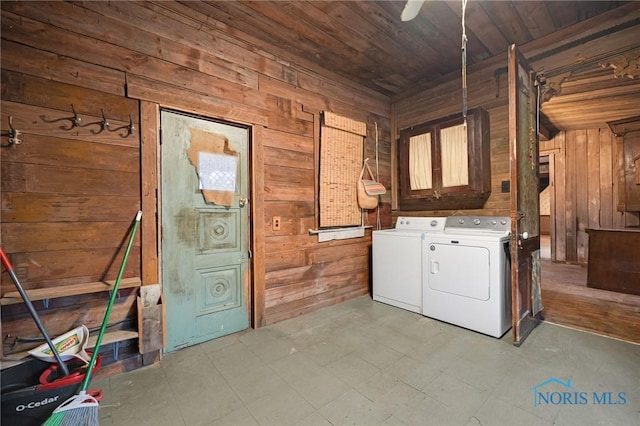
{"type": "Point", "coordinates": [365, 363]}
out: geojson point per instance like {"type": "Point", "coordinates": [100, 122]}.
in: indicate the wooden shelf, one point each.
{"type": "Point", "coordinates": [112, 337]}
{"type": "Point", "coordinates": [13, 297]}
{"type": "Point", "coordinates": [108, 337]}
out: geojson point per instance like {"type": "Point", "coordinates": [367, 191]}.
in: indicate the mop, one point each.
{"type": "Point", "coordinates": [82, 409]}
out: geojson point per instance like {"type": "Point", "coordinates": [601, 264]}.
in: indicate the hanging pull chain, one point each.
{"type": "Point", "coordinates": [464, 64]}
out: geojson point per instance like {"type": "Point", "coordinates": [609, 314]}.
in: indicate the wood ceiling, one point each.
{"type": "Point", "coordinates": [366, 42]}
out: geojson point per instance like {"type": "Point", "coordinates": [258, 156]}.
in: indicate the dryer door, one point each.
{"type": "Point", "coordinates": [459, 269]}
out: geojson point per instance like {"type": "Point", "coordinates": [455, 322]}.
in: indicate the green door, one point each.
{"type": "Point", "coordinates": [205, 237]}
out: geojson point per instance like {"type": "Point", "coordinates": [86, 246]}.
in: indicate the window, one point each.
{"type": "Point", "coordinates": [341, 157]}
{"type": "Point", "coordinates": [445, 164]}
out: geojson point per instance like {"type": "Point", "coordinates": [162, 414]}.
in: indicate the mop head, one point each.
{"type": "Point", "coordinates": [79, 410]}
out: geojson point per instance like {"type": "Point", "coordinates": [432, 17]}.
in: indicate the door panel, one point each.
{"type": "Point", "coordinates": [205, 261]}
{"type": "Point", "coordinates": [525, 200]}
{"type": "Point", "coordinates": [447, 275]}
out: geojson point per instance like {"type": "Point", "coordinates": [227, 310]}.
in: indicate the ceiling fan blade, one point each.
{"type": "Point", "coordinates": [411, 10]}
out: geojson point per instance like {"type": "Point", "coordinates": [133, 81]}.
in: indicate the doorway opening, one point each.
{"type": "Point", "coordinates": [545, 191]}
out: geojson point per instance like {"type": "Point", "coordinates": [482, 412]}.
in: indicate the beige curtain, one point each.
{"type": "Point", "coordinates": [420, 173]}
{"type": "Point", "coordinates": [454, 156]}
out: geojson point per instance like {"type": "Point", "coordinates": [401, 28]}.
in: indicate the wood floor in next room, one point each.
{"type": "Point", "coordinates": [568, 301]}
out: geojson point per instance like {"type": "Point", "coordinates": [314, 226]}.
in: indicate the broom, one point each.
{"type": "Point", "coordinates": [82, 409]}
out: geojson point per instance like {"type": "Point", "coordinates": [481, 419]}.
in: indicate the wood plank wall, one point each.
{"type": "Point", "coordinates": [69, 196]}
{"type": "Point", "coordinates": [581, 206]}
{"type": "Point", "coordinates": [586, 189]}
{"type": "Point", "coordinates": [164, 55]}
{"type": "Point", "coordinates": [591, 156]}
{"type": "Point", "coordinates": [445, 100]}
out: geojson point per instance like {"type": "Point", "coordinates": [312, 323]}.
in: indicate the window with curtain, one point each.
{"type": "Point", "coordinates": [341, 158]}
{"type": "Point", "coordinates": [420, 173]}
{"type": "Point", "coordinates": [454, 155]}
{"type": "Point", "coordinates": [445, 163]}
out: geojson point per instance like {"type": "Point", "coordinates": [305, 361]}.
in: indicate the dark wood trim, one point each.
{"type": "Point", "coordinates": [149, 140]}
{"type": "Point", "coordinates": [258, 228]}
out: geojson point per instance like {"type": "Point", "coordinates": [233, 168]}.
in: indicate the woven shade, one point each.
{"type": "Point", "coordinates": [344, 123]}
{"type": "Point", "coordinates": [341, 157]}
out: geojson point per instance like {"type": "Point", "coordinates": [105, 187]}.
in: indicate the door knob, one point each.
{"type": "Point", "coordinates": [242, 201]}
{"type": "Point", "coordinates": [523, 236]}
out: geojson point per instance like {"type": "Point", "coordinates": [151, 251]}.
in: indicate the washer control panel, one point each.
{"type": "Point", "coordinates": [420, 223]}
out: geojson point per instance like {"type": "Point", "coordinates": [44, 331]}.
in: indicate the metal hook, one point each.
{"type": "Point", "coordinates": [74, 121]}
{"type": "Point", "coordinates": [103, 124]}
{"type": "Point", "coordinates": [13, 134]}
{"type": "Point", "coordinates": [129, 128]}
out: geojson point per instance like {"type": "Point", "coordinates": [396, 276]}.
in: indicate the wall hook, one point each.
{"type": "Point", "coordinates": [13, 134]}
{"type": "Point", "coordinates": [74, 121]}
{"type": "Point", "coordinates": [103, 124]}
{"type": "Point", "coordinates": [129, 128]}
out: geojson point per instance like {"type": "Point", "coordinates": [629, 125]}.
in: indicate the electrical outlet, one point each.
{"type": "Point", "coordinates": [275, 223]}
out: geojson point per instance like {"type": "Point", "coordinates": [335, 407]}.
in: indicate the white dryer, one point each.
{"type": "Point", "coordinates": [467, 274]}
{"type": "Point", "coordinates": [397, 261]}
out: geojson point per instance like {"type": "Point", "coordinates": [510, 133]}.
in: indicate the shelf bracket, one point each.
{"type": "Point", "coordinates": [116, 348]}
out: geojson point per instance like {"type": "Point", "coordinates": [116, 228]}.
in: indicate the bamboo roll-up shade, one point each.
{"type": "Point", "coordinates": [341, 158]}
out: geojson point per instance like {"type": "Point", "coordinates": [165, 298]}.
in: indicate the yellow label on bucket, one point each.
{"type": "Point", "coordinates": [64, 345]}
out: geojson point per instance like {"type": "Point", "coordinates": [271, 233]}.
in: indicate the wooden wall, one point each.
{"type": "Point", "coordinates": [445, 99]}
{"type": "Point", "coordinates": [69, 196]}
{"type": "Point", "coordinates": [585, 189]}
{"type": "Point", "coordinates": [558, 55]}
{"type": "Point", "coordinates": [118, 55]}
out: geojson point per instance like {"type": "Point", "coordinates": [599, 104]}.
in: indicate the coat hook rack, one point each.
{"type": "Point", "coordinates": [102, 124]}
{"type": "Point", "coordinates": [13, 134]}
{"type": "Point", "coordinates": [129, 128]}
{"type": "Point", "coordinates": [74, 121]}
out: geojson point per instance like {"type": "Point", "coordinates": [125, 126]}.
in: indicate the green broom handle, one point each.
{"type": "Point", "coordinates": [96, 349]}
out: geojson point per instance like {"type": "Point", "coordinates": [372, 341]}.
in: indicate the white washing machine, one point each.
{"type": "Point", "coordinates": [467, 274]}
{"type": "Point", "coordinates": [397, 261]}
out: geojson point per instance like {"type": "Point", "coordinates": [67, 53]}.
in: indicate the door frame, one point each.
{"type": "Point", "coordinates": [151, 229]}
{"type": "Point", "coordinates": [247, 128]}
{"type": "Point", "coordinates": [525, 269]}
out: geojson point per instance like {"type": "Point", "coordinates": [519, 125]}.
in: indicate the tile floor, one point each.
{"type": "Point", "coordinates": [365, 363]}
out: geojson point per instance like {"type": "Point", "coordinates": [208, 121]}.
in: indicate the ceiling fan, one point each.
{"type": "Point", "coordinates": [411, 10]}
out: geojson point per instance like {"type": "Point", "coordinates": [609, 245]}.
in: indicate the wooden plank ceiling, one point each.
{"type": "Point", "coordinates": [366, 42]}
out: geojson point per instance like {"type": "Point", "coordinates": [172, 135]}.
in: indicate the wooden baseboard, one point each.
{"type": "Point", "coordinates": [594, 314]}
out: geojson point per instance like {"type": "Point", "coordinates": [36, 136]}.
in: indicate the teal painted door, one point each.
{"type": "Point", "coordinates": [205, 245]}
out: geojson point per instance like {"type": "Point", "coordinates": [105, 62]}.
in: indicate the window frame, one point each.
{"type": "Point", "coordinates": [470, 196]}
